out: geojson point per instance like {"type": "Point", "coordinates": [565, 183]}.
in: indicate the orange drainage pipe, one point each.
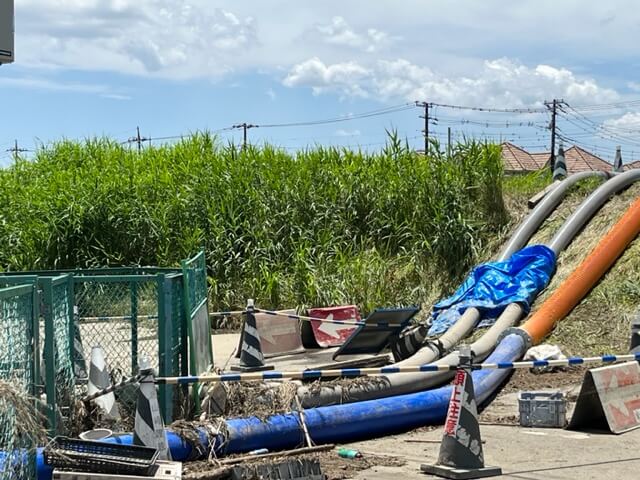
{"type": "Point", "coordinates": [585, 277]}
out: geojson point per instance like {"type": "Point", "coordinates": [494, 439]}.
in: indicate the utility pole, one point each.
{"type": "Point", "coordinates": [448, 141]}
{"type": "Point", "coordinates": [425, 105]}
{"type": "Point", "coordinates": [554, 107]}
{"type": "Point", "coordinates": [244, 126]}
{"type": "Point", "coordinates": [15, 150]}
{"type": "Point", "coordinates": [138, 139]}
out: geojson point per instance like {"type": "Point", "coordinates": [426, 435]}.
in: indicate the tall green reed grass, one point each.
{"type": "Point", "coordinates": [323, 226]}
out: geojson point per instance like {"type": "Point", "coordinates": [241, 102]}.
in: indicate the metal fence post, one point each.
{"type": "Point", "coordinates": [165, 345]}
{"type": "Point", "coordinates": [35, 335]}
{"type": "Point", "coordinates": [133, 288]}
{"type": "Point", "coordinates": [49, 353]}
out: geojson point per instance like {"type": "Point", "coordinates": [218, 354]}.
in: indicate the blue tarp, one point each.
{"type": "Point", "coordinates": [492, 286]}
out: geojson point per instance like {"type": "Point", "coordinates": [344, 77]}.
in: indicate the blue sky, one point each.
{"type": "Point", "coordinates": [101, 67]}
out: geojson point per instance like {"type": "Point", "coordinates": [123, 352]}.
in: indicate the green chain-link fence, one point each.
{"type": "Point", "coordinates": [58, 359]}
{"type": "Point", "coordinates": [131, 316]}
{"type": "Point", "coordinates": [18, 368]}
{"type": "Point", "coordinates": [130, 313]}
{"type": "Point", "coordinates": [199, 327]}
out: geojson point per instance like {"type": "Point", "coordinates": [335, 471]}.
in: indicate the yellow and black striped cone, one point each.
{"type": "Point", "coordinates": [251, 357]}
{"type": "Point", "coordinates": [99, 379]}
{"type": "Point", "coordinates": [461, 453]}
{"type": "Point", "coordinates": [149, 427]}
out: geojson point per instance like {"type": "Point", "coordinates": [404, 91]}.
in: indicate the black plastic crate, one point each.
{"type": "Point", "coordinates": [90, 456]}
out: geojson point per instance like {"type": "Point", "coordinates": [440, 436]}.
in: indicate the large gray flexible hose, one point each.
{"type": "Point", "coordinates": [548, 204]}
{"type": "Point", "coordinates": [589, 207]}
{"type": "Point", "coordinates": [405, 383]}
{"type": "Point", "coordinates": [471, 316]}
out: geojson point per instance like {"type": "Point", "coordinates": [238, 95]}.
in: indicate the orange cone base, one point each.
{"type": "Point", "coordinates": [242, 368]}
{"type": "Point", "coordinates": [460, 473]}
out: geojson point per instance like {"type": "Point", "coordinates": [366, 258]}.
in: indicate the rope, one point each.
{"type": "Point", "coordinates": [304, 318]}
{"type": "Point", "coordinates": [363, 372]}
{"type": "Point", "coordinates": [122, 383]}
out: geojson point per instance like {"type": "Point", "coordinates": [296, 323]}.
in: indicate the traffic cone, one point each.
{"type": "Point", "coordinates": [148, 430]}
{"type": "Point", "coordinates": [461, 448]}
{"type": "Point", "coordinates": [251, 358]}
{"type": "Point", "coordinates": [98, 380]}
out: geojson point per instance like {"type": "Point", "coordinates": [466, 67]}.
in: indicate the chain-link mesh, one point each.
{"type": "Point", "coordinates": [174, 397]}
{"type": "Point", "coordinates": [17, 364]}
{"type": "Point", "coordinates": [195, 270]}
{"type": "Point", "coordinates": [125, 316]}
{"type": "Point", "coordinates": [121, 316]}
{"type": "Point", "coordinates": [62, 318]}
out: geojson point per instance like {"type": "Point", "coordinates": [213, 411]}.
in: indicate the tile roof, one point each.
{"type": "Point", "coordinates": [579, 160]}
{"type": "Point", "coordinates": [517, 159]}
{"type": "Point", "coordinates": [631, 165]}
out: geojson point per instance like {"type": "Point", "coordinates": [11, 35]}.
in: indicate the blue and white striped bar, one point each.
{"type": "Point", "coordinates": [363, 372]}
{"type": "Point", "coordinates": [354, 322]}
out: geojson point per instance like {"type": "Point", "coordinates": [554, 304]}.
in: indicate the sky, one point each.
{"type": "Point", "coordinates": [86, 68]}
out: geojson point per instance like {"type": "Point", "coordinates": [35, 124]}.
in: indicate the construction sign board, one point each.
{"type": "Point", "coordinates": [332, 334]}
{"type": "Point", "coordinates": [279, 334]}
{"type": "Point", "coordinates": [379, 327]}
{"type": "Point", "coordinates": [609, 399]}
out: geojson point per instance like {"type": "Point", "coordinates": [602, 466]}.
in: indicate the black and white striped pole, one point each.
{"type": "Point", "coordinates": [251, 357]}
{"type": "Point", "coordinates": [149, 428]}
{"type": "Point", "coordinates": [617, 162]}
{"type": "Point", "coordinates": [560, 165]}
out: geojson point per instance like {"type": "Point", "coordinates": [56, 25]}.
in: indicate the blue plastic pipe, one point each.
{"type": "Point", "coordinates": [341, 423]}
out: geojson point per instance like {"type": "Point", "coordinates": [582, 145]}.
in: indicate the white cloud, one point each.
{"type": "Point", "coordinates": [271, 94]}
{"type": "Point", "coordinates": [169, 38]}
{"type": "Point", "coordinates": [347, 133]}
{"type": "Point", "coordinates": [628, 121]}
{"type": "Point", "coordinates": [40, 83]}
{"type": "Point", "coordinates": [635, 86]}
{"type": "Point", "coordinates": [501, 82]}
{"type": "Point", "coordinates": [340, 33]}
{"type": "Point", "coordinates": [348, 78]}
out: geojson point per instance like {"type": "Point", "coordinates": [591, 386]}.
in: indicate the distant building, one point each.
{"type": "Point", "coordinates": [631, 165]}
{"type": "Point", "coordinates": [518, 160]}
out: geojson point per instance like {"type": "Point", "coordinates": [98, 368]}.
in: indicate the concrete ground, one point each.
{"type": "Point", "coordinates": [522, 453]}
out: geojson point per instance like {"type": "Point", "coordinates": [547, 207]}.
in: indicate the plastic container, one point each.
{"type": "Point", "coordinates": [97, 434]}
{"type": "Point", "coordinates": [349, 453]}
{"type": "Point", "coordinates": [542, 409]}
{"type": "Point", "coordinates": [91, 456]}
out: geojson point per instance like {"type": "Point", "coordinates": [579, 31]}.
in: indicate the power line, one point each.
{"type": "Point", "coordinates": [16, 150]}
{"type": "Point", "coordinates": [490, 109]}
{"type": "Point", "coordinates": [373, 113]}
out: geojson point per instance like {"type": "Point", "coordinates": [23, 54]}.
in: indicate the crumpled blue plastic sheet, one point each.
{"type": "Point", "coordinates": [492, 286]}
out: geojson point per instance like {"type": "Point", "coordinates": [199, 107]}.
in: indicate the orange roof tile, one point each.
{"type": "Point", "coordinates": [631, 165]}
{"type": "Point", "coordinates": [517, 159]}
{"type": "Point", "coordinates": [541, 158]}
{"type": "Point", "coordinates": [579, 160]}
